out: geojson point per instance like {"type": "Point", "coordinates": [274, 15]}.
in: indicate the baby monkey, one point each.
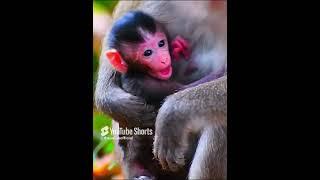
{"type": "Point", "coordinates": [140, 50]}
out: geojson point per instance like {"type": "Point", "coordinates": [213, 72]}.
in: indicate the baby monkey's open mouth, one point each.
{"type": "Point", "coordinates": [165, 71]}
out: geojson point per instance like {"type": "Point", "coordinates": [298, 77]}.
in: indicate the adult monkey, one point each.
{"type": "Point", "coordinates": [195, 112]}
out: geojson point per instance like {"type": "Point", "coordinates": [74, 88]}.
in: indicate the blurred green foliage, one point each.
{"type": "Point", "coordinates": [102, 145]}
{"type": "Point", "coordinates": [104, 5]}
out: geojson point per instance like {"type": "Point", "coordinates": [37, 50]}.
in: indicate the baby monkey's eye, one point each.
{"type": "Point", "coordinates": [147, 52]}
{"type": "Point", "coordinates": [161, 43]}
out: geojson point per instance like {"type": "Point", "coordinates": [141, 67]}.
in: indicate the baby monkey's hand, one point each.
{"type": "Point", "coordinates": [180, 46]}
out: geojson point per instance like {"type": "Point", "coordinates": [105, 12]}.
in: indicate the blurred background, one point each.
{"type": "Point", "coordinates": [105, 165]}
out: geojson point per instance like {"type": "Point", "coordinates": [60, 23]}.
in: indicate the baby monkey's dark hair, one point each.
{"type": "Point", "coordinates": [126, 29]}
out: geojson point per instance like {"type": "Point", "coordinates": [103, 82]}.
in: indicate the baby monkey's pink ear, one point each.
{"type": "Point", "coordinates": [116, 60]}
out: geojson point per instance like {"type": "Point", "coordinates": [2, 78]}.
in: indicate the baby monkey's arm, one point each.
{"type": "Point", "coordinates": [159, 88]}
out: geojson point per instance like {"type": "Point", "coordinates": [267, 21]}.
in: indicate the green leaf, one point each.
{"type": "Point", "coordinates": [99, 121]}
{"type": "Point", "coordinates": [108, 148]}
{"type": "Point", "coordinates": [103, 5]}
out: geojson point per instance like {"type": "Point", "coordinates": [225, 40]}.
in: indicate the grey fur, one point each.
{"type": "Point", "coordinates": [199, 111]}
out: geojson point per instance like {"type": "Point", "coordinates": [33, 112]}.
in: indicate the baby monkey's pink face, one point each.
{"type": "Point", "coordinates": [154, 53]}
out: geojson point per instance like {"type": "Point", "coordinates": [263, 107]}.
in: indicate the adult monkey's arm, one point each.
{"type": "Point", "coordinates": [189, 112]}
